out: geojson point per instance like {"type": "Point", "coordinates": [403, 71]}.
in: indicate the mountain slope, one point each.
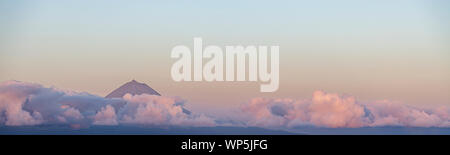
{"type": "Point", "coordinates": [134, 88]}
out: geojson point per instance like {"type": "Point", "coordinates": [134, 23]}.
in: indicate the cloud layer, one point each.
{"type": "Point", "coordinates": [24, 103]}
{"type": "Point", "coordinates": [336, 111]}
{"type": "Point", "coordinates": [31, 104]}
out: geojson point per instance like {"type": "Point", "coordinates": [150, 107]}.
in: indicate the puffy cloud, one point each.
{"type": "Point", "coordinates": [337, 111]}
{"type": "Point", "coordinates": [11, 102]}
{"type": "Point", "coordinates": [106, 116]}
{"type": "Point", "coordinates": [332, 110]}
{"type": "Point", "coordinates": [24, 103]}
{"type": "Point", "coordinates": [157, 110]}
{"type": "Point", "coordinates": [396, 114]}
{"type": "Point", "coordinates": [73, 113]}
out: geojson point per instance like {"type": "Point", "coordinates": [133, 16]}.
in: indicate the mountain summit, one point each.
{"type": "Point", "coordinates": [134, 88]}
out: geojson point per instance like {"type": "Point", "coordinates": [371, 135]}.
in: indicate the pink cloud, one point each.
{"type": "Point", "coordinates": [106, 116]}
{"type": "Point", "coordinates": [332, 110]}
{"type": "Point", "coordinates": [337, 111]}
{"type": "Point", "coordinates": [159, 110]}
{"type": "Point", "coordinates": [11, 102]}
{"type": "Point", "coordinates": [24, 103]}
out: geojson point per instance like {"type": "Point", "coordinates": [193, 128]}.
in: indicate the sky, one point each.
{"type": "Point", "coordinates": [396, 50]}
